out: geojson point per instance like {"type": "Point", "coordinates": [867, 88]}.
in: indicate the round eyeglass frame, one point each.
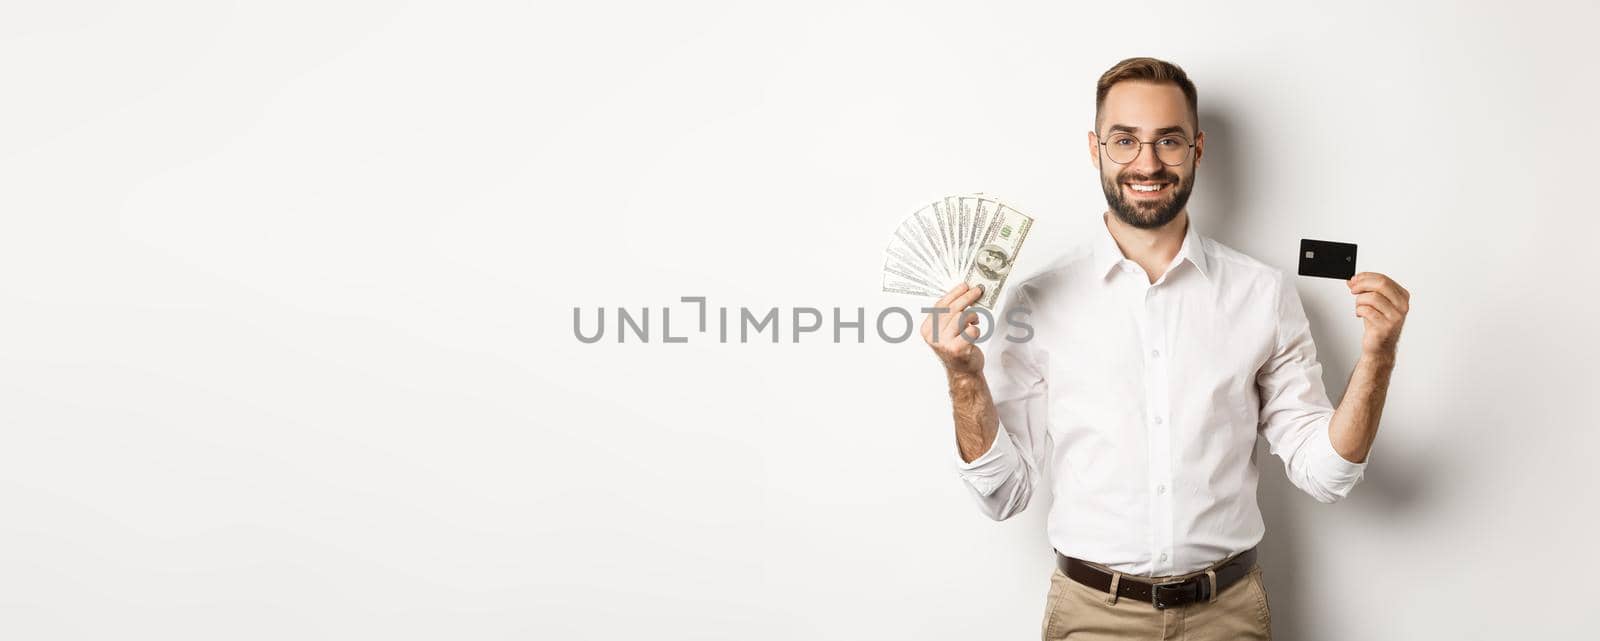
{"type": "Point", "coordinates": [1189, 151]}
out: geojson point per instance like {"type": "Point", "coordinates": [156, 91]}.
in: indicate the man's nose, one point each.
{"type": "Point", "coordinates": [1147, 163]}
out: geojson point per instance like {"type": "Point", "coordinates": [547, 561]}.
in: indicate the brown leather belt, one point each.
{"type": "Point", "coordinates": [1161, 595]}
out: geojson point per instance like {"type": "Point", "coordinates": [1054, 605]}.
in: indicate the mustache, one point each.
{"type": "Point", "coordinates": [1162, 176]}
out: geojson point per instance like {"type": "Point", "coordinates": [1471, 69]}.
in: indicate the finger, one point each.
{"type": "Point", "coordinates": [1385, 286]}
{"type": "Point", "coordinates": [944, 301]}
{"type": "Point", "coordinates": [1391, 291]}
{"type": "Point", "coordinates": [1398, 296]}
{"type": "Point", "coordinates": [958, 324]}
{"type": "Point", "coordinates": [1376, 318]}
{"type": "Point", "coordinates": [943, 308]}
{"type": "Point", "coordinates": [971, 325]}
{"type": "Point", "coordinates": [966, 300]}
{"type": "Point", "coordinates": [1379, 302]}
{"type": "Point", "coordinates": [972, 332]}
{"type": "Point", "coordinates": [1362, 280]}
{"type": "Point", "coordinates": [958, 308]}
{"type": "Point", "coordinates": [940, 324]}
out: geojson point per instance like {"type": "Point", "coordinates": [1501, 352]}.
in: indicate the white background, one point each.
{"type": "Point", "coordinates": [286, 297]}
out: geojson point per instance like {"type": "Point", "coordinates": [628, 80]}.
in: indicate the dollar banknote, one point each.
{"type": "Point", "coordinates": [971, 238]}
{"type": "Point", "coordinates": [995, 255]}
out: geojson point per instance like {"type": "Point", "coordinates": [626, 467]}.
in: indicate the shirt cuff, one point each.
{"type": "Point", "coordinates": [1341, 473]}
{"type": "Point", "coordinates": [989, 471]}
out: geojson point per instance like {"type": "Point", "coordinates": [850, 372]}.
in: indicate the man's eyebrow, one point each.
{"type": "Point", "coordinates": [1174, 129]}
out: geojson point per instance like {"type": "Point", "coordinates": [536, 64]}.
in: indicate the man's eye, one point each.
{"type": "Point", "coordinates": [1169, 142]}
{"type": "Point", "coordinates": [1122, 142]}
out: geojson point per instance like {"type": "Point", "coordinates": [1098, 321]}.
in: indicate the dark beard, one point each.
{"type": "Point", "coordinates": [1152, 215]}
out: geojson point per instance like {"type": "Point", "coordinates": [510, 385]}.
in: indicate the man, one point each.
{"type": "Point", "coordinates": [1157, 357]}
{"type": "Point", "coordinates": [992, 261]}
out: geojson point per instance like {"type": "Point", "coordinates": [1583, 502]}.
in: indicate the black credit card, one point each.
{"type": "Point", "coordinates": [1327, 259]}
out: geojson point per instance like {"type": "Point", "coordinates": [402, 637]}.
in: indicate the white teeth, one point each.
{"type": "Point", "coordinates": [1147, 187]}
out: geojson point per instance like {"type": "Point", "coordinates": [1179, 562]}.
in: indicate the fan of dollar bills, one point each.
{"type": "Point", "coordinates": [970, 239]}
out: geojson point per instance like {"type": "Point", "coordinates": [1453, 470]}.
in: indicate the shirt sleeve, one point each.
{"type": "Point", "coordinates": [1003, 478]}
{"type": "Point", "coordinates": [1295, 411]}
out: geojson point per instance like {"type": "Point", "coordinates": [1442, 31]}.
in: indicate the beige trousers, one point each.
{"type": "Point", "coordinates": [1077, 612]}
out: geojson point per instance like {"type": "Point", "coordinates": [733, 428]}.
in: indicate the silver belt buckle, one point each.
{"type": "Point", "coordinates": [1155, 593]}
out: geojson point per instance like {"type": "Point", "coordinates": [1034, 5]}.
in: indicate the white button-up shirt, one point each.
{"type": "Point", "coordinates": [1143, 402]}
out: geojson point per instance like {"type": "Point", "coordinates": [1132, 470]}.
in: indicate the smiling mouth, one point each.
{"type": "Point", "coordinates": [1147, 188]}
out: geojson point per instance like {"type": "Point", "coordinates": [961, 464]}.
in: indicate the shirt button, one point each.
{"type": "Point", "coordinates": [1161, 489]}
{"type": "Point", "coordinates": [1163, 557]}
{"type": "Point", "coordinates": [1158, 420]}
{"type": "Point", "coordinates": [1155, 353]}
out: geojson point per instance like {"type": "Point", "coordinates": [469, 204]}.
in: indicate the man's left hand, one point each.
{"type": "Point", "coordinates": [1382, 305]}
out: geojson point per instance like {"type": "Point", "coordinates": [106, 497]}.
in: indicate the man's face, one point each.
{"type": "Point", "coordinates": [991, 260]}
{"type": "Point", "coordinates": [1148, 111]}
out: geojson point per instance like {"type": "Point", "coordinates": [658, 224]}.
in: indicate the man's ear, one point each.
{"type": "Point", "coordinates": [1199, 146]}
{"type": "Point", "coordinates": [1094, 150]}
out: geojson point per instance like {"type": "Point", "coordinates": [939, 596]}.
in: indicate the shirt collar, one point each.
{"type": "Point", "coordinates": [1107, 255]}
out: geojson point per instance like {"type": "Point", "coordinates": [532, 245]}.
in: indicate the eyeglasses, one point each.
{"type": "Point", "coordinates": [1122, 148]}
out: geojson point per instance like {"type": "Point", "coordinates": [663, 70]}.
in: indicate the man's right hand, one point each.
{"type": "Point", "coordinates": [952, 339]}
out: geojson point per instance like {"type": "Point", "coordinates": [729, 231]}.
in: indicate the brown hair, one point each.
{"type": "Point", "coordinates": [1150, 70]}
